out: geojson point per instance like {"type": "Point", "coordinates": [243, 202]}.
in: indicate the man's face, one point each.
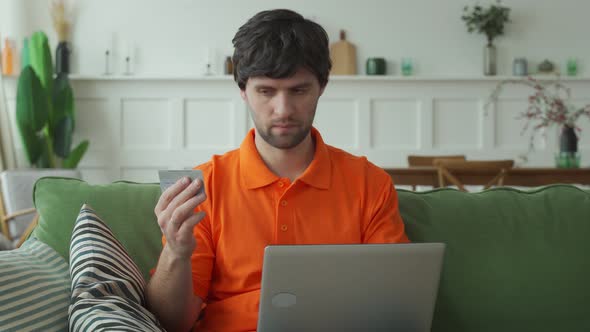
{"type": "Point", "coordinates": [283, 109]}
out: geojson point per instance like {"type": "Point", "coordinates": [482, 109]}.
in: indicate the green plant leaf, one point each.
{"type": "Point", "coordinates": [62, 136]}
{"type": "Point", "coordinates": [488, 21]}
{"type": "Point", "coordinates": [45, 160]}
{"type": "Point", "coordinates": [31, 112]}
{"type": "Point", "coordinates": [33, 145]}
{"type": "Point", "coordinates": [40, 58]}
{"type": "Point", "coordinates": [76, 155]}
{"type": "Point", "coordinates": [24, 56]}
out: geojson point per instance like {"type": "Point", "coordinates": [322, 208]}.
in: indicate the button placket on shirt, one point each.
{"type": "Point", "coordinates": [283, 215]}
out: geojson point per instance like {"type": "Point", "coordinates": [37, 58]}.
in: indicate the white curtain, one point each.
{"type": "Point", "coordinates": [16, 17]}
{"type": "Point", "coordinates": [7, 159]}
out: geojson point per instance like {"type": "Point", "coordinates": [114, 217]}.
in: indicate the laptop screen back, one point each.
{"type": "Point", "coordinates": [380, 287]}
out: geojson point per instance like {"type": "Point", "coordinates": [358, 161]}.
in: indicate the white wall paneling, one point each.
{"type": "Point", "coordinates": [137, 125]}
{"type": "Point", "coordinates": [457, 124]}
{"type": "Point", "coordinates": [395, 124]}
{"type": "Point", "coordinates": [338, 118]}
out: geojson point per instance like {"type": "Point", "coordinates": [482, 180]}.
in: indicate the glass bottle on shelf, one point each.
{"type": "Point", "coordinates": [7, 58]}
{"type": "Point", "coordinates": [572, 67]}
{"type": "Point", "coordinates": [407, 66]}
{"type": "Point", "coordinates": [490, 60]}
{"type": "Point", "coordinates": [229, 66]}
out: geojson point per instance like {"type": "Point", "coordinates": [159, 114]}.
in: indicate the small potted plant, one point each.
{"type": "Point", "coordinates": [549, 105]}
{"type": "Point", "coordinates": [489, 21]}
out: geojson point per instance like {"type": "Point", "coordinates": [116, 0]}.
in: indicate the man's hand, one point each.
{"type": "Point", "coordinates": [170, 292]}
{"type": "Point", "coordinates": [176, 217]}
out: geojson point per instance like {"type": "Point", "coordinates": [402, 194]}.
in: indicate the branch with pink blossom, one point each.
{"type": "Point", "coordinates": [548, 105]}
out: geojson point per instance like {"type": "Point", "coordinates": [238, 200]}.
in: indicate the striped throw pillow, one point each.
{"type": "Point", "coordinates": [107, 287]}
{"type": "Point", "coordinates": [34, 289]}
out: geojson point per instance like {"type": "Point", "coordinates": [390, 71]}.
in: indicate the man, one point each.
{"type": "Point", "coordinates": [284, 185]}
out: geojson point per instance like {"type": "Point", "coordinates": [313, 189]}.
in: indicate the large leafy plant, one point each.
{"type": "Point", "coordinates": [45, 112]}
{"type": "Point", "coordinates": [489, 21]}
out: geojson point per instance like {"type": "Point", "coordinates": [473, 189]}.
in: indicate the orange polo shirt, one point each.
{"type": "Point", "coordinates": [339, 199]}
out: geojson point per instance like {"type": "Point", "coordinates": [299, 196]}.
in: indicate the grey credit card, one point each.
{"type": "Point", "coordinates": [170, 177]}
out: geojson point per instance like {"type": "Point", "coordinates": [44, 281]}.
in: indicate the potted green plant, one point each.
{"type": "Point", "coordinates": [489, 21]}
{"type": "Point", "coordinates": [45, 112]}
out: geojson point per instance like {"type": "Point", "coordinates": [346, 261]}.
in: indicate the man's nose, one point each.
{"type": "Point", "coordinates": [283, 104]}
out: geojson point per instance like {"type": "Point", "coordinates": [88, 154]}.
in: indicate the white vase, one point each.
{"type": "Point", "coordinates": [489, 60]}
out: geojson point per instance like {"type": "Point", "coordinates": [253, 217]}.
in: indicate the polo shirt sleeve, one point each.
{"type": "Point", "coordinates": [384, 223]}
{"type": "Point", "coordinates": [202, 258]}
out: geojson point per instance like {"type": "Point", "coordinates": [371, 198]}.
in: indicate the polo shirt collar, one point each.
{"type": "Point", "coordinates": [255, 174]}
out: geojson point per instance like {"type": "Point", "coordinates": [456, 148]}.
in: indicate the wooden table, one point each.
{"type": "Point", "coordinates": [526, 177]}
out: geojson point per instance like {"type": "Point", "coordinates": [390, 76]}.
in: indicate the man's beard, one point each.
{"type": "Point", "coordinates": [287, 141]}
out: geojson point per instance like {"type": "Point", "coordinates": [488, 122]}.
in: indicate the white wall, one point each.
{"type": "Point", "coordinates": [139, 125]}
{"type": "Point", "coordinates": [172, 37]}
{"type": "Point", "coordinates": [388, 117]}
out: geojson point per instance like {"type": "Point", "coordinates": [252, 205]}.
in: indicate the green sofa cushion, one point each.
{"type": "Point", "coordinates": [127, 207]}
{"type": "Point", "coordinates": [515, 261]}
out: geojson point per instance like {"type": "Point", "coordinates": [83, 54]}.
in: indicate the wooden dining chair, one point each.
{"type": "Point", "coordinates": [422, 161]}
{"type": "Point", "coordinates": [448, 170]}
{"type": "Point", "coordinates": [425, 161]}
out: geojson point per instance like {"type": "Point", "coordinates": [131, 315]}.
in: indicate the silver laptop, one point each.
{"type": "Point", "coordinates": [364, 287]}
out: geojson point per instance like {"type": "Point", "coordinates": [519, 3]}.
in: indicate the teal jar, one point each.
{"type": "Point", "coordinates": [375, 66]}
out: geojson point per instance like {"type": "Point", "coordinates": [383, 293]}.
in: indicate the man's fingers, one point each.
{"type": "Point", "coordinates": [187, 227]}
{"type": "Point", "coordinates": [172, 227]}
{"type": "Point", "coordinates": [179, 219]}
{"type": "Point", "coordinates": [189, 192]}
{"type": "Point", "coordinates": [181, 206]}
{"type": "Point", "coordinates": [169, 194]}
{"type": "Point", "coordinates": [187, 208]}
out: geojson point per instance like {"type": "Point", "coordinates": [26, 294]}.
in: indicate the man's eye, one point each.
{"type": "Point", "coordinates": [300, 91]}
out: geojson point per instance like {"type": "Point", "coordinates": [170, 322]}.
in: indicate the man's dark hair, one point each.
{"type": "Point", "coordinates": [275, 43]}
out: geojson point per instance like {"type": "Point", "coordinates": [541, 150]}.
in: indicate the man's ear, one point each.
{"type": "Point", "coordinates": [322, 90]}
{"type": "Point", "coordinates": [243, 95]}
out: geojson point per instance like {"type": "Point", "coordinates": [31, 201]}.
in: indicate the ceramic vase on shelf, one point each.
{"type": "Point", "coordinates": [375, 66]}
{"type": "Point", "coordinates": [568, 156]}
{"type": "Point", "coordinates": [489, 60]}
{"type": "Point", "coordinates": [62, 58]}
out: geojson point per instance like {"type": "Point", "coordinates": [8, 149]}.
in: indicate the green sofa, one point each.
{"type": "Point", "coordinates": [515, 260]}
